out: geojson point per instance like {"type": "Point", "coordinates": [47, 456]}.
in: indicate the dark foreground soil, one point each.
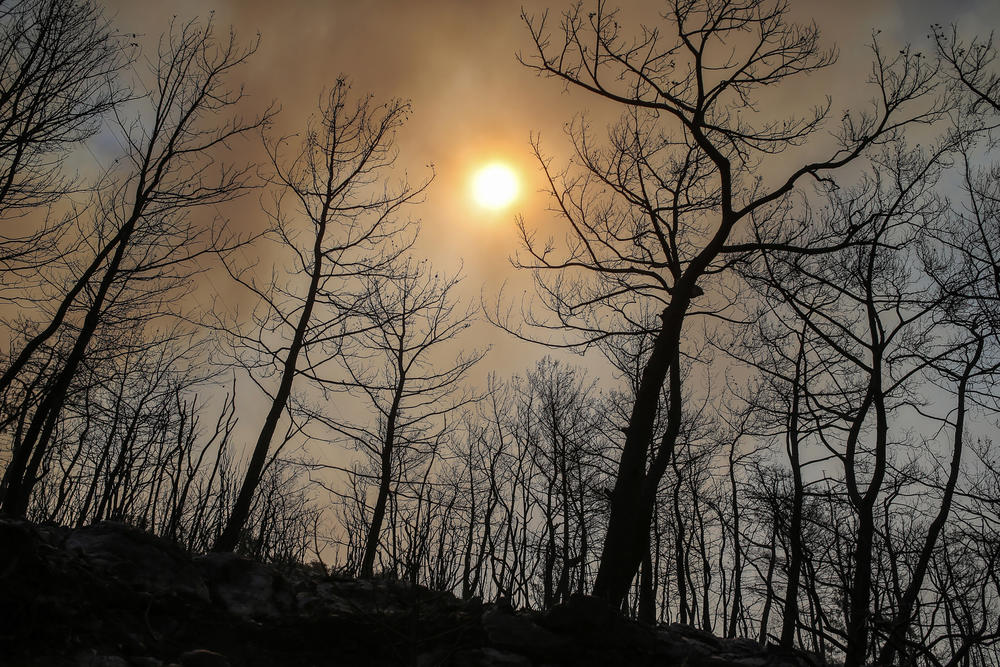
{"type": "Point", "coordinates": [112, 596]}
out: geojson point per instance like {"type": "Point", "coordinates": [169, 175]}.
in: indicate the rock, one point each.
{"type": "Point", "coordinates": [29, 553]}
{"type": "Point", "coordinates": [145, 661]}
{"type": "Point", "coordinates": [581, 614]}
{"type": "Point", "coordinates": [519, 633]}
{"type": "Point", "coordinates": [92, 660]}
{"type": "Point", "coordinates": [435, 658]}
{"type": "Point", "coordinates": [679, 651]}
{"type": "Point", "coordinates": [693, 634]}
{"type": "Point", "coordinates": [739, 645]}
{"type": "Point", "coordinates": [147, 563]}
{"type": "Point", "coordinates": [52, 534]}
{"type": "Point", "coordinates": [335, 597]}
{"type": "Point", "coordinates": [202, 658]}
{"type": "Point", "coordinates": [323, 600]}
{"type": "Point", "coordinates": [752, 661]}
{"type": "Point", "coordinates": [244, 588]}
{"type": "Point", "coordinates": [730, 661]}
{"type": "Point", "coordinates": [490, 657]}
{"type": "Point", "coordinates": [781, 657]}
{"type": "Point", "coordinates": [684, 644]}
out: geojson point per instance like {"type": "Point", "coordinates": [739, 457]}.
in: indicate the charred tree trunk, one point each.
{"type": "Point", "coordinates": [790, 615]}
{"type": "Point", "coordinates": [635, 489]}
{"type": "Point", "coordinates": [231, 533]}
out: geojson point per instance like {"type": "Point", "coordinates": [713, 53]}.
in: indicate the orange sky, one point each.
{"type": "Point", "coordinates": [473, 103]}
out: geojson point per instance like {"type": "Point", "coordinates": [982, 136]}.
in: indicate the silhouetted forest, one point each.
{"type": "Point", "coordinates": [801, 303]}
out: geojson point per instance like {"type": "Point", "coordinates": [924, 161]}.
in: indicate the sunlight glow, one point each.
{"type": "Point", "coordinates": [495, 186]}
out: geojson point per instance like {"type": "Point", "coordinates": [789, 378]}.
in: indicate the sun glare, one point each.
{"type": "Point", "coordinates": [494, 186]}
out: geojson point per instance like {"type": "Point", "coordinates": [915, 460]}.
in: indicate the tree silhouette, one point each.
{"type": "Point", "coordinates": [140, 222]}
{"type": "Point", "coordinates": [794, 440]}
{"type": "Point", "coordinates": [353, 235]}
{"type": "Point", "coordinates": [406, 317]}
{"type": "Point", "coordinates": [673, 200]}
{"type": "Point", "coordinates": [60, 62]}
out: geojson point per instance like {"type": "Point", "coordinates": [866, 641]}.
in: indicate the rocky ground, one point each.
{"type": "Point", "coordinates": [112, 596]}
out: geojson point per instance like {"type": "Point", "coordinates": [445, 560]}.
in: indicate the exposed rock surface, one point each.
{"type": "Point", "coordinates": [112, 596]}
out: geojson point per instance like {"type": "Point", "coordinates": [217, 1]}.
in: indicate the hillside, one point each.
{"type": "Point", "coordinates": [112, 596]}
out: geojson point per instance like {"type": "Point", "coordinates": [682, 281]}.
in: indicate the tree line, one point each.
{"type": "Point", "coordinates": [800, 308]}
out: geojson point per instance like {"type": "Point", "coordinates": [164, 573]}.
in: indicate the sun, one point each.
{"type": "Point", "coordinates": [495, 186]}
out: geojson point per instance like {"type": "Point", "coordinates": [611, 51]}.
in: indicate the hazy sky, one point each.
{"type": "Point", "coordinates": [473, 103]}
